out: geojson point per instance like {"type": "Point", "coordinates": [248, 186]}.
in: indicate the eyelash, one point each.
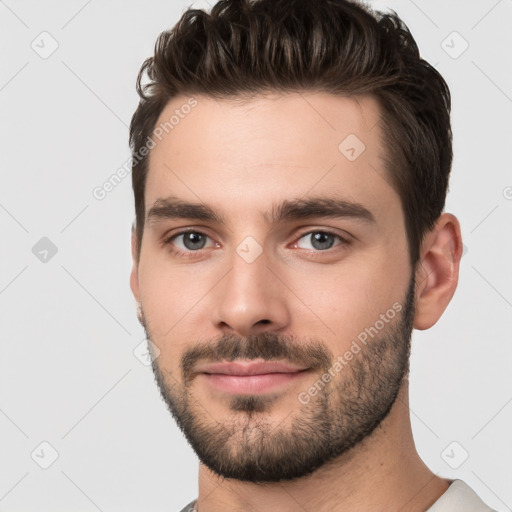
{"type": "Point", "coordinates": [167, 242]}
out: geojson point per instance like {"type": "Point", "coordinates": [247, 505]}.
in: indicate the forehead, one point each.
{"type": "Point", "coordinates": [244, 155]}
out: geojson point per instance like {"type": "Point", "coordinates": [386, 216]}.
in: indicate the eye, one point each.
{"type": "Point", "coordinates": [320, 240]}
{"type": "Point", "coordinates": [188, 241]}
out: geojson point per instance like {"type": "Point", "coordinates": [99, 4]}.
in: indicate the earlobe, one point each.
{"type": "Point", "coordinates": [437, 272]}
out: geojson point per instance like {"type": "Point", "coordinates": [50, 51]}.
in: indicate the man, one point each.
{"type": "Point", "coordinates": [291, 162]}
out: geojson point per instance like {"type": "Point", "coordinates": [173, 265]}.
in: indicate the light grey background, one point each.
{"type": "Point", "coordinates": [68, 373]}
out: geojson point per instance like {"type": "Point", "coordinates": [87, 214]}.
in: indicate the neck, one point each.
{"type": "Point", "coordinates": [383, 472]}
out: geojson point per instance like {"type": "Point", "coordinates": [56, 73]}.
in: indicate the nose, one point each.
{"type": "Point", "coordinates": [251, 298]}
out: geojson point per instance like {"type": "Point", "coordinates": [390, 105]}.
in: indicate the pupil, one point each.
{"type": "Point", "coordinates": [322, 240]}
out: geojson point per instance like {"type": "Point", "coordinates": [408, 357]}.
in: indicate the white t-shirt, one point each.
{"type": "Point", "coordinates": [459, 497]}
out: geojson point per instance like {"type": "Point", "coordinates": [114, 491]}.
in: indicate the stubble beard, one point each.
{"type": "Point", "coordinates": [244, 443]}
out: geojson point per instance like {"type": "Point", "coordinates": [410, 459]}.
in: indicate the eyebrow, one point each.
{"type": "Point", "coordinates": [288, 210]}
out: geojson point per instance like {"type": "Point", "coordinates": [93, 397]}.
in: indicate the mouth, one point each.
{"type": "Point", "coordinates": [250, 377]}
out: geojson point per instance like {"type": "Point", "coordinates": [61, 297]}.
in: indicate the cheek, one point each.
{"type": "Point", "coordinates": [164, 296]}
{"type": "Point", "coordinates": [342, 302]}
{"type": "Point", "coordinates": [165, 314]}
{"type": "Point", "coordinates": [174, 299]}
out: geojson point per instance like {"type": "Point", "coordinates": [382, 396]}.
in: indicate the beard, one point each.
{"type": "Point", "coordinates": [245, 445]}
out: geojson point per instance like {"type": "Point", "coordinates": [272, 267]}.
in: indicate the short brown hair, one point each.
{"type": "Point", "coordinates": [248, 47]}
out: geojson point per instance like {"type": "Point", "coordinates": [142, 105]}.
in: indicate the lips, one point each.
{"type": "Point", "coordinates": [249, 368]}
{"type": "Point", "coordinates": [249, 377]}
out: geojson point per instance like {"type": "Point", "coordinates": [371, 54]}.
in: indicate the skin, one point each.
{"type": "Point", "coordinates": [240, 160]}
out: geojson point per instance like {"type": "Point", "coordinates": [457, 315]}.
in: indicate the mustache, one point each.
{"type": "Point", "coordinates": [267, 346]}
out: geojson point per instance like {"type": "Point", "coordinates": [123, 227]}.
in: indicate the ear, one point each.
{"type": "Point", "coordinates": [437, 272]}
{"type": "Point", "coordinates": [134, 275]}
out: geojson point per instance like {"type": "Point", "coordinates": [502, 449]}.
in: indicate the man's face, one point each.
{"type": "Point", "coordinates": [267, 271]}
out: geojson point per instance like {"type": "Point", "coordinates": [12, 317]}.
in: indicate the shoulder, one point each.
{"type": "Point", "coordinates": [459, 496]}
